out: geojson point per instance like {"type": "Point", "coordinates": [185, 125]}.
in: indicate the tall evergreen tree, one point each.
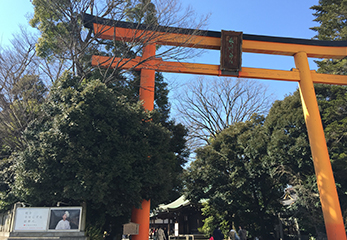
{"type": "Point", "coordinates": [332, 101]}
{"type": "Point", "coordinates": [238, 177]}
{"type": "Point", "coordinates": [290, 147]}
{"type": "Point", "coordinates": [332, 18]}
{"type": "Point", "coordinates": [93, 146]}
{"type": "Point", "coordinates": [64, 36]}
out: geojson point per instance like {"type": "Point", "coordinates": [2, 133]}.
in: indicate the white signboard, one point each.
{"type": "Point", "coordinates": [176, 230]}
{"type": "Point", "coordinates": [48, 219]}
{"type": "Point", "coordinates": [31, 219]}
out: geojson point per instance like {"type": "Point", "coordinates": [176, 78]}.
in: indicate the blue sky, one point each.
{"type": "Point", "coordinates": [12, 14]}
{"type": "Point", "coordinates": [267, 17]}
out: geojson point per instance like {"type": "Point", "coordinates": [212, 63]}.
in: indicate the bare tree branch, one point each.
{"type": "Point", "coordinates": [208, 106]}
{"type": "Point", "coordinates": [19, 71]}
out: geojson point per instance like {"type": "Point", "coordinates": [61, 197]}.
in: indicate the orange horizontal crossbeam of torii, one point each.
{"type": "Point", "coordinates": [251, 43]}
{"type": "Point", "coordinates": [300, 49]}
{"type": "Point", "coordinates": [213, 70]}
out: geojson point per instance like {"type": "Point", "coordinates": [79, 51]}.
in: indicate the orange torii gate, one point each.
{"type": "Point", "coordinates": [232, 44]}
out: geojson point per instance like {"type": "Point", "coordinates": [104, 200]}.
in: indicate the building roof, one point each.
{"type": "Point", "coordinates": [178, 203]}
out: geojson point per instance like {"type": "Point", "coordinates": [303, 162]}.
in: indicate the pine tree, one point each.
{"type": "Point", "coordinates": [332, 18]}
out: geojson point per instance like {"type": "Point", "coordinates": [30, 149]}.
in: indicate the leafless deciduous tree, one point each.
{"type": "Point", "coordinates": [21, 88]}
{"type": "Point", "coordinates": [208, 106]}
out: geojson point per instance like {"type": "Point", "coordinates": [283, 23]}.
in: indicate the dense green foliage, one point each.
{"type": "Point", "coordinates": [238, 177]}
{"type": "Point", "coordinates": [291, 146]}
{"type": "Point", "coordinates": [291, 150]}
{"type": "Point", "coordinates": [245, 169]}
{"type": "Point", "coordinates": [93, 146]}
{"type": "Point", "coordinates": [19, 107]}
{"type": "Point", "coordinates": [332, 101]}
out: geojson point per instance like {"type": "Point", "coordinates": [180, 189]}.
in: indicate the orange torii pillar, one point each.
{"type": "Point", "coordinates": [147, 86]}
{"type": "Point", "coordinates": [325, 179]}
